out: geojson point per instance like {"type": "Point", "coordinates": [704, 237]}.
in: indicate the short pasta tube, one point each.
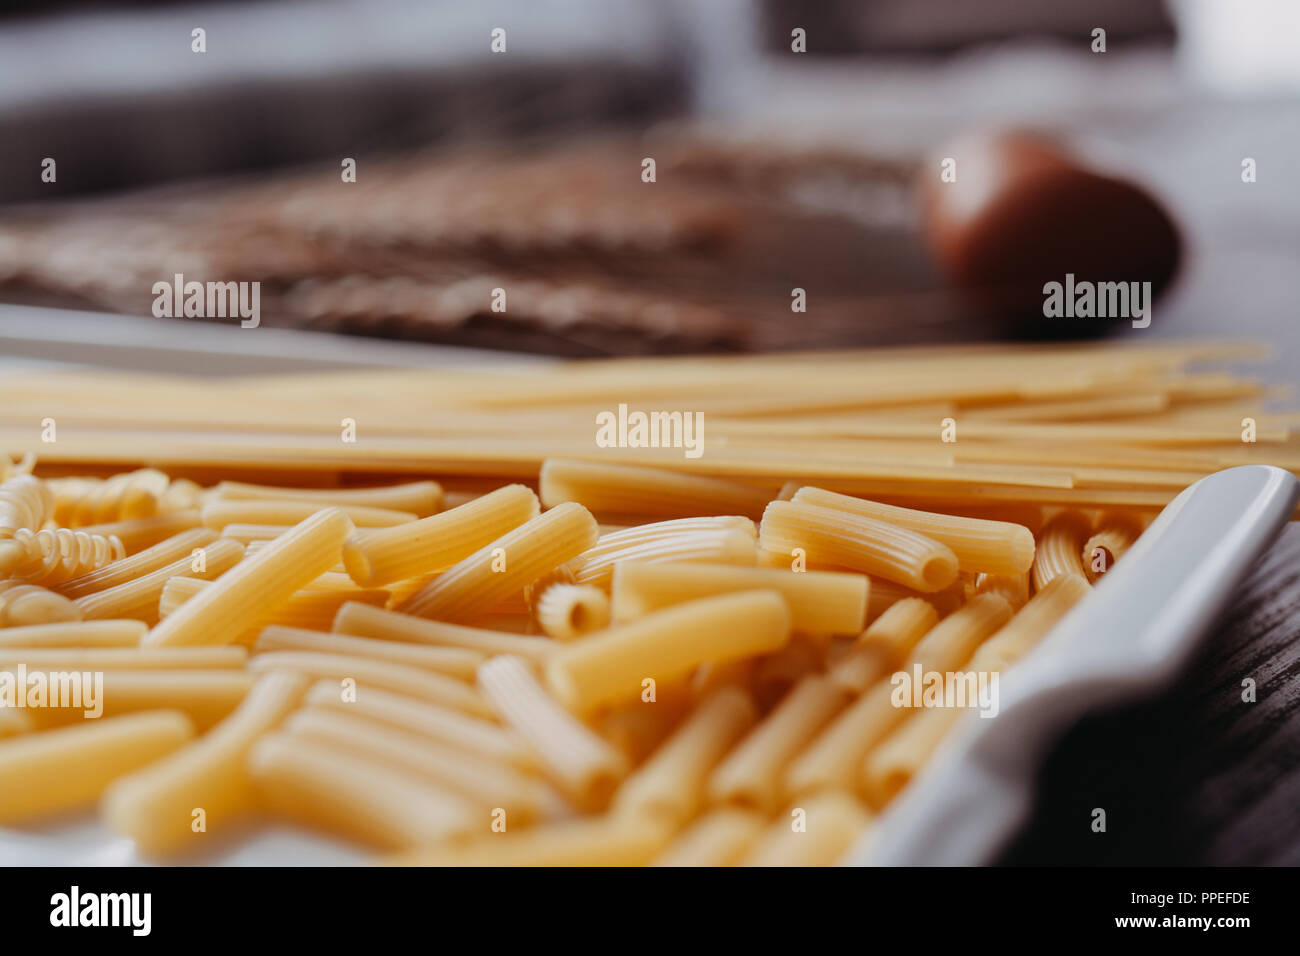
{"type": "Point", "coordinates": [863, 544]}
{"type": "Point", "coordinates": [619, 489]}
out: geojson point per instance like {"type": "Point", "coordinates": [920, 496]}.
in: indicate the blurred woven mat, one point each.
{"type": "Point", "coordinates": [592, 259]}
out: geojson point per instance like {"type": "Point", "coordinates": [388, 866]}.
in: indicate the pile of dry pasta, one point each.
{"type": "Point", "coordinates": [430, 613]}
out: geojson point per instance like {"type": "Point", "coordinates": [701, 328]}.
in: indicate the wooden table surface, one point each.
{"type": "Point", "coordinates": [1195, 776]}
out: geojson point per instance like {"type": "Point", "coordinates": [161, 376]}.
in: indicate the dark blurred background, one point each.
{"type": "Point", "coordinates": [776, 169]}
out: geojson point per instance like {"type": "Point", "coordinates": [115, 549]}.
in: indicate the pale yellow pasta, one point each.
{"type": "Point", "coordinates": [257, 585]}
{"type": "Point", "coordinates": [616, 489]}
{"type": "Point", "coordinates": [220, 512]}
{"type": "Point", "coordinates": [997, 547]}
{"type": "Point", "coordinates": [207, 696]}
{"type": "Point", "coordinates": [565, 612]}
{"type": "Point", "coordinates": [585, 767]}
{"type": "Point", "coordinates": [99, 750]}
{"type": "Point", "coordinates": [821, 602]}
{"type": "Point", "coordinates": [889, 766]}
{"type": "Point", "coordinates": [422, 498]}
{"type": "Point", "coordinates": [156, 806]}
{"type": "Point", "coordinates": [611, 840]}
{"type": "Point", "coordinates": [83, 501]}
{"type": "Point", "coordinates": [312, 608]}
{"type": "Point", "coordinates": [26, 502]}
{"type": "Point", "coordinates": [832, 824]}
{"type": "Point", "coordinates": [638, 727]}
{"type": "Point", "coordinates": [54, 555]}
{"type": "Point", "coordinates": [774, 674]}
{"type": "Point", "coordinates": [854, 541]}
{"type": "Point", "coordinates": [506, 566]}
{"type": "Point", "coordinates": [439, 541]}
{"type": "Point", "coordinates": [611, 665]}
{"type": "Point", "coordinates": [369, 673]}
{"type": "Point", "coordinates": [726, 545]}
{"type": "Point", "coordinates": [124, 658]}
{"type": "Point", "coordinates": [1013, 587]}
{"type": "Point", "coordinates": [487, 784]}
{"type": "Point", "coordinates": [718, 838]}
{"type": "Point", "coordinates": [339, 790]}
{"type": "Point", "coordinates": [1060, 547]}
{"type": "Point", "coordinates": [456, 662]}
{"type": "Point", "coordinates": [119, 633]}
{"type": "Point", "coordinates": [447, 726]}
{"type": "Point", "coordinates": [884, 644]}
{"type": "Point", "coordinates": [253, 534]}
{"type": "Point", "coordinates": [136, 534]}
{"type": "Point", "coordinates": [128, 569]}
{"type": "Point", "coordinates": [1114, 535]}
{"type": "Point", "coordinates": [139, 598]}
{"type": "Point", "coordinates": [750, 774]}
{"type": "Point", "coordinates": [366, 621]}
{"type": "Point", "coordinates": [831, 760]}
{"type": "Point", "coordinates": [671, 783]}
{"type": "Point", "coordinates": [884, 594]}
{"type": "Point", "coordinates": [23, 604]}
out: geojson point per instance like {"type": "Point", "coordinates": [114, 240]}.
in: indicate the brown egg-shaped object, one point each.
{"type": "Point", "coordinates": [1022, 213]}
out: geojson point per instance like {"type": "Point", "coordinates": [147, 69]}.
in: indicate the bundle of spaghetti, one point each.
{"type": "Point", "coordinates": [54, 555]}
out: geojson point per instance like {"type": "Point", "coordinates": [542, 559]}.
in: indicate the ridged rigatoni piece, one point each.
{"type": "Point", "coordinates": [750, 774]}
{"type": "Point", "coordinates": [155, 806]}
{"type": "Point", "coordinates": [312, 608]}
{"type": "Point", "coordinates": [450, 727]}
{"type": "Point", "coordinates": [585, 767]}
{"type": "Point", "coordinates": [338, 790]}
{"type": "Point", "coordinates": [456, 662]}
{"type": "Point", "coordinates": [23, 604]}
{"type": "Point", "coordinates": [997, 547]}
{"type": "Point", "coordinates": [173, 549]}
{"type": "Point", "coordinates": [635, 490]}
{"type": "Point", "coordinates": [439, 541]}
{"type": "Point", "coordinates": [891, 765]}
{"type": "Point", "coordinates": [366, 621]}
{"type": "Point", "coordinates": [257, 585]}
{"type": "Point", "coordinates": [719, 838]}
{"type": "Point", "coordinates": [566, 612]}
{"type": "Point", "coordinates": [671, 783]}
{"type": "Point", "coordinates": [821, 602]}
{"type": "Point", "coordinates": [884, 644]}
{"type": "Point", "coordinates": [610, 666]}
{"type": "Point", "coordinates": [487, 784]}
{"type": "Point", "coordinates": [113, 633]}
{"type": "Point", "coordinates": [99, 750]}
{"type": "Point", "coordinates": [863, 544]}
{"type": "Point", "coordinates": [1115, 534]}
{"type": "Point", "coordinates": [1060, 547]}
{"type": "Point", "coordinates": [221, 512]}
{"type": "Point", "coordinates": [139, 598]}
{"type": "Point", "coordinates": [831, 760]}
{"type": "Point", "coordinates": [421, 498]}
{"type": "Point", "coordinates": [205, 695]}
{"type": "Point", "coordinates": [721, 545]}
{"type": "Point", "coordinates": [506, 566]}
{"type": "Point", "coordinates": [611, 840]}
{"type": "Point", "coordinates": [136, 534]}
{"type": "Point", "coordinates": [833, 823]}
{"type": "Point", "coordinates": [369, 674]}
